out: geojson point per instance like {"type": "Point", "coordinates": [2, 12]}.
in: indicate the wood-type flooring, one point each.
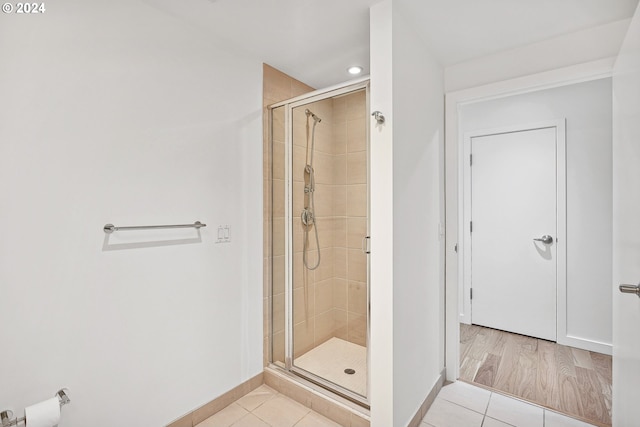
{"type": "Point", "coordinates": [565, 379]}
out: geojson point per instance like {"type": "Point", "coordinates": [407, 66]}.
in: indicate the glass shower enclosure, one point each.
{"type": "Point", "coordinates": [319, 293]}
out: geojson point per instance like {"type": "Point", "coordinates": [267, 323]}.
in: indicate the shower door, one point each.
{"type": "Point", "coordinates": [320, 320]}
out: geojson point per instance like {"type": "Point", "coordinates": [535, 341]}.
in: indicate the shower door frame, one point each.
{"type": "Point", "coordinates": [289, 105]}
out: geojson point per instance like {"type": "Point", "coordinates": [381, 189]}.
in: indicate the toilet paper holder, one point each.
{"type": "Point", "coordinates": [7, 415]}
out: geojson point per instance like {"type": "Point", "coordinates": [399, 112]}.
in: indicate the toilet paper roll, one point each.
{"type": "Point", "coordinates": [43, 414]}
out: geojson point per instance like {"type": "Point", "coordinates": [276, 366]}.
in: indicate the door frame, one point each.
{"type": "Point", "coordinates": [464, 207]}
{"type": "Point", "coordinates": [594, 70]}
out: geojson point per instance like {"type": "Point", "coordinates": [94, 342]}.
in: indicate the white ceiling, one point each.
{"type": "Point", "coordinates": [316, 40]}
{"type": "Point", "coordinates": [459, 30]}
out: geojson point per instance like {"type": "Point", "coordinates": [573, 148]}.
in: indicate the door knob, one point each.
{"type": "Point", "coordinates": [546, 239]}
{"type": "Point", "coordinates": [630, 289]}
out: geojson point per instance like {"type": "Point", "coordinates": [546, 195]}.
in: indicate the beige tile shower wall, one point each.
{"type": "Point", "coordinates": [277, 86]}
{"type": "Point", "coordinates": [331, 300]}
{"type": "Point", "coordinates": [313, 319]}
{"type": "Point", "coordinates": [350, 210]}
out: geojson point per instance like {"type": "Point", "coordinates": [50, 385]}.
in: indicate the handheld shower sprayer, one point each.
{"type": "Point", "coordinates": [308, 213]}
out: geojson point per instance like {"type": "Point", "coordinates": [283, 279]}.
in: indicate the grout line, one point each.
{"type": "Point", "coordinates": [256, 415]}
{"type": "Point", "coordinates": [461, 406]}
{"type": "Point", "coordinates": [488, 403]}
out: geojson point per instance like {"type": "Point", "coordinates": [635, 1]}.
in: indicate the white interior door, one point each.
{"type": "Point", "coordinates": [513, 202]}
{"type": "Point", "coordinates": [626, 230]}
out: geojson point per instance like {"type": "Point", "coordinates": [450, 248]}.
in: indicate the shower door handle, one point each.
{"type": "Point", "coordinates": [365, 245]}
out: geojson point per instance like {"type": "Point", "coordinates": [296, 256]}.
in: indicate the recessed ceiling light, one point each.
{"type": "Point", "coordinates": [355, 70]}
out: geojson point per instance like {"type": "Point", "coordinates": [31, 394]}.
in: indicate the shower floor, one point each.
{"type": "Point", "coordinates": [330, 359]}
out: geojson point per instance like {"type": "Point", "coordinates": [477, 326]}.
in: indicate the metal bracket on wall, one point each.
{"type": "Point", "coordinates": [378, 116]}
{"type": "Point", "coordinates": [630, 289]}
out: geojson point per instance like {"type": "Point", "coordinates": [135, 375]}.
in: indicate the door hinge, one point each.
{"type": "Point", "coordinates": [471, 293]}
{"type": "Point", "coordinates": [471, 226]}
{"type": "Point", "coordinates": [470, 159]}
{"type": "Point", "coordinates": [455, 248]}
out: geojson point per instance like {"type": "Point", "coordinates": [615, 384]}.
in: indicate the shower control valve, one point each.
{"type": "Point", "coordinates": [307, 217]}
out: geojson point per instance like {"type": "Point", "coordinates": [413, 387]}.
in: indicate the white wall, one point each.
{"type": "Point", "coordinates": [570, 49]}
{"type": "Point", "coordinates": [418, 293]}
{"type": "Point", "coordinates": [381, 328]}
{"type": "Point", "coordinates": [406, 210]}
{"type": "Point", "coordinates": [587, 108]}
{"type": "Point", "coordinates": [626, 228]}
{"type": "Point", "coordinates": [115, 112]}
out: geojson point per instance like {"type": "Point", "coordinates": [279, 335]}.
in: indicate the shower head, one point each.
{"type": "Point", "coordinates": [309, 113]}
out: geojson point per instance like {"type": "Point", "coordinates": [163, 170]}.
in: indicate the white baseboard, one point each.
{"type": "Point", "coordinates": [586, 344]}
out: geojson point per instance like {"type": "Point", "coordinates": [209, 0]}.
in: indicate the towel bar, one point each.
{"type": "Point", "coordinates": [110, 228]}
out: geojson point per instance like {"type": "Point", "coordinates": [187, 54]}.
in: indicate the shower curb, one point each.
{"type": "Point", "coordinates": [345, 413]}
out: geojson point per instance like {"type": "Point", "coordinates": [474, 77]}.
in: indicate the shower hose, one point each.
{"type": "Point", "coordinates": [308, 213]}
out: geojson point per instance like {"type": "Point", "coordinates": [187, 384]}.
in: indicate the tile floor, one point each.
{"type": "Point", "coordinates": [463, 405]}
{"type": "Point", "coordinates": [457, 405]}
{"type": "Point", "coordinates": [265, 407]}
